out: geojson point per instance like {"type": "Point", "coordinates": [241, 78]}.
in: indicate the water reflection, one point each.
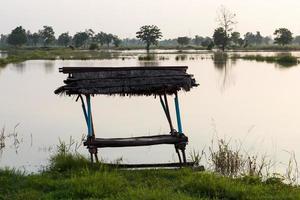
{"type": "Point", "coordinates": [49, 66]}
{"type": "Point", "coordinates": [19, 67]}
{"type": "Point", "coordinates": [224, 67]}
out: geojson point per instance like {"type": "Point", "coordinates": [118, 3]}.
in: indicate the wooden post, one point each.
{"type": "Point", "coordinates": [83, 109]}
{"type": "Point", "coordinates": [165, 106]}
{"type": "Point", "coordinates": [178, 114]}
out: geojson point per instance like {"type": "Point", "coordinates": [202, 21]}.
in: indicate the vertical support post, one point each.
{"type": "Point", "coordinates": [83, 108]}
{"type": "Point", "coordinates": [89, 115]}
{"type": "Point", "coordinates": [178, 114]}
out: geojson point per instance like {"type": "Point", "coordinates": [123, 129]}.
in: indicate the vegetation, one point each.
{"type": "Point", "coordinates": [71, 176]}
{"type": "Point", "coordinates": [226, 20]}
{"type": "Point", "coordinates": [149, 34]}
{"type": "Point", "coordinates": [47, 34]}
{"type": "Point", "coordinates": [283, 60]}
{"type": "Point", "coordinates": [21, 55]}
{"type": "Point", "coordinates": [64, 39]}
{"type": "Point", "coordinates": [220, 38]}
{"type": "Point", "coordinates": [17, 37]}
{"type": "Point", "coordinates": [183, 41]}
{"type": "Point", "coordinates": [283, 36]}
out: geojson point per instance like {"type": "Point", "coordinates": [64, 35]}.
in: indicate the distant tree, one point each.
{"type": "Point", "coordinates": [283, 36]}
{"type": "Point", "coordinates": [207, 42]}
{"type": "Point", "coordinates": [47, 34]}
{"type": "Point", "coordinates": [3, 39]}
{"type": "Point", "coordinates": [80, 39]}
{"type": "Point", "coordinates": [183, 40]}
{"type": "Point", "coordinates": [297, 40]}
{"type": "Point", "coordinates": [198, 40]}
{"type": "Point", "coordinates": [90, 32]}
{"type": "Point", "coordinates": [221, 38]}
{"type": "Point", "coordinates": [108, 38]}
{"type": "Point", "coordinates": [100, 38]}
{"type": "Point", "coordinates": [64, 39]}
{"type": "Point", "coordinates": [267, 40]}
{"type": "Point", "coordinates": [34, 38]}
{"type": "Point", "coordinates": [249, 38]}
{"type": "Point", "coordinates": [149, 34]}
{"type": "Point", "coordinates": [226, 21]}
{"type": "Point", "coordinates": [17, 37]}
{"type": "Point", "coordinates": [258, 38]}
{"type": "Point", "coordinates": [116, 41]}
{"type": "Point", "coordinates": [236, 39]}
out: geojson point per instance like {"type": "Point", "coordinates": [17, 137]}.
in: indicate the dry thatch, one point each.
{"type": "Point", "coordinates": [126, 80]}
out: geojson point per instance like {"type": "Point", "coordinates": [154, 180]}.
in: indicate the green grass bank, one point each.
{"type": "Point", "coordinates": [21, 55]}
{"type": "Point", "coordinates": [71, 176]}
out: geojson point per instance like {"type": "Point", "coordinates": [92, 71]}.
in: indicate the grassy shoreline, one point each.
{"type": "Point", "coordinates": [70, 176]}
{"type": "Point", "coordinates": [17, 56]}
{"type": "Point", "coordinates": [21, 55]}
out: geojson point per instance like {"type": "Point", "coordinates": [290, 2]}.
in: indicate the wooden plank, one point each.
{"type": "Point", "coordinates": [136, 141]}
{"type": "Point", "coordinates": [154, 165]}
{"type": "Point", "coordinates": [95, 69]}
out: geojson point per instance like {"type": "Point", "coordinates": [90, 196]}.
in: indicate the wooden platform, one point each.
{"type": "Point", "coordinates": [136, 141]}
{"type": "Point", "coordinates": [154, 165]}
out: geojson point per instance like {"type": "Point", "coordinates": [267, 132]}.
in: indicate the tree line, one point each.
{"type": "Point", "coordinates": [46, 37]}
{"type": "Point", "coordinates": [224, 37]}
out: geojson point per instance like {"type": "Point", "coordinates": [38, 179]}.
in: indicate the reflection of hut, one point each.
{"type": "Point", "coordinates": [129, 81]}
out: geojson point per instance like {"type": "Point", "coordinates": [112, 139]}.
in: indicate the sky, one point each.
{"type": "Point", "coordinates": [124, 17]}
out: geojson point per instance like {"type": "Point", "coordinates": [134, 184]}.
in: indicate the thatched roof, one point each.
{"type": "Point", "coordinates": [126, 80]}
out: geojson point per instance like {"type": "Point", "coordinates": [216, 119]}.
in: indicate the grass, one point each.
{"type": "Point", "coordinates": [71, 176]}
{"type": "Point", "coordinates": [20, 55]}
{"type": "Point", "coordinates": [282, 60]}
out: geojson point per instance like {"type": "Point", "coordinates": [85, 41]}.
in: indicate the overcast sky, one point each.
{"type": "Point", "coordinates": [124, 17]}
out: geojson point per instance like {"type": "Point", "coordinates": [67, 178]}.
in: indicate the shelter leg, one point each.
{"type": "Point", "coordinates": [89, 115]}
{"type": "Point", "coordinates": [178, 114]}
{"type": "Point", "coordinates": [92, 159]}
{"type": "Point", "coordinates": [179, 157]}
{"type": "Point", "coordinates": [96, 157]}
{"type": "Point", "coordinates": [183, 155]}
{"type": "Point", "coordinates": [164, 104]}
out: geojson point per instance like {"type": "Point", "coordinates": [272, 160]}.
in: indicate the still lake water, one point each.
{"type": "Point", "coordinates": [254, 103]}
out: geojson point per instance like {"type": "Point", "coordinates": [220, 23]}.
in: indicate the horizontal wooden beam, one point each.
{"type": "Point", "coordinates": [97, 69]}
{"type": "Point", "coordinates": [136, 141]}
{"type": "Point", "coordinates": [154, 165]}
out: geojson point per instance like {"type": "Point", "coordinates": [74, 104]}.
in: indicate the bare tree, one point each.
{"type": "Point", "coordinates": [226, 19]}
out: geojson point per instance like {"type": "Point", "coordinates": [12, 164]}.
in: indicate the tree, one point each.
{"type": "Point", "coordinates": [108, 39]}
{"type": "Point", "coordinates": [198, 40]}
{"type": "Point", "coordinates": [17, 37]}
{"type": "Point", "coordinates": [207, 42]}
{"type": "Point", "coordinates": [236, 38]}
{"type": "Point", "coordinates": [116, 41]}
{"type": "Point", "coordinates": [149, 34]}
{"type": "Point", "coordinates": [64, 39]}
{"type": "Point", "coordinates": [35, 38]}
{"type": "Point", "coordinates": [283, 36]}
{"type": "Point", "coordinates": [80, 38]}
{"type": "Point", "coordinates": [226, 21]}
{"type": "Point", "coordinates": [221, 38]}
{"type": "Point", "coordinates": [183, 40]}
{"type": "Point", "coordinates": [47, 35]}
{"type": "Point", "coordinates": [297, 40]}
{"type": "Point", "coordinates": [100, 38]}
{"type": "Point", "coordinates": [258, 38]}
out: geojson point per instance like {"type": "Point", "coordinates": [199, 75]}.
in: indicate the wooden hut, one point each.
{"type": "Point", "coordinates": [130, 81]}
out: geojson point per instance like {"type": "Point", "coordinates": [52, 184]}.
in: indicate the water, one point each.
{"type": "Point", "coordinates": [254, 103]}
